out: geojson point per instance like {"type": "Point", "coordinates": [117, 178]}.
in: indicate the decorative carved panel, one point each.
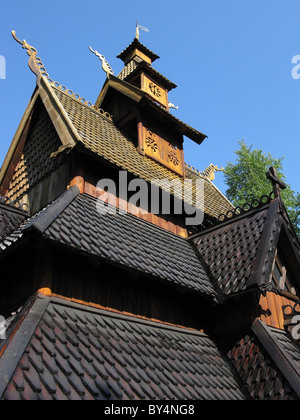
{"type": "Point", "coordinates": [162, 150]}
{"type": "Point", "coordinates": [158, 93]}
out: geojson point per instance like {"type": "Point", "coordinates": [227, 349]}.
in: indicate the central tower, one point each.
{"type": "Point", "coordinates": [138, 99]}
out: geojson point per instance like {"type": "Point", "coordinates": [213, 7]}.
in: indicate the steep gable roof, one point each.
{"type": "Point", "coordinates": [239, 251]}
{"type": "Point", "coordinates": [80, 123]}
{"type": "Point", "coordinates": [268, 363]}
{"type": "Point", "coordinates": [95, 131]}
{"type": "Point", "coordinates": [282, 350]}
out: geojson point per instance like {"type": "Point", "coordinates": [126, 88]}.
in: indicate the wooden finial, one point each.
{"type": "Point", "coordinates": [276, 182]}
{"type": "Point", "coordinates": [105, 66]}
{"type": "Point", "coordinates": [35, 63]}
{"type": "Point", "coordinates": [209, 172]}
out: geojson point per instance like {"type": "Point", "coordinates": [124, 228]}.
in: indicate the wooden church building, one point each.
{"type": "Point", "coordinates": [104, 294]}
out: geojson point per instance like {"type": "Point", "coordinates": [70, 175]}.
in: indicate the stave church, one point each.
{"type": "Point", "coordinates": [114, 294]}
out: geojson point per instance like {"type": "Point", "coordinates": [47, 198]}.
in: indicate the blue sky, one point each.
{"type": "Point", "coordinates": [231, 60]}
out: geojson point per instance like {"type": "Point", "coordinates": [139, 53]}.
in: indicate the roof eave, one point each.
{"type": "Point", "coordinates": [184, 128]}
{"type": "Point", "coordinates": [141, 97]}
{"type": "Point", "coordinates": [113, 82]}
{"type": "Point", "coordinates": [282, 361]}
{"type": "Point", "coordinates": [143, 65]}
{"type": "Point", "coordinates": [137, 44]}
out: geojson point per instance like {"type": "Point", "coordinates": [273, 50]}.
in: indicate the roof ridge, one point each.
{"type": "Point", "coordinates": [47, 216]}
{"type": "Point", "coordinates": [110, 312]}
{"type": "Point", "coordinates": [75, 96]}
{"type": "Point", "coordinates": [231, 215]}
{"type": "Point", "coordinates": [137, 42]}
{"type": "Point", "coordinates": [138, 219]}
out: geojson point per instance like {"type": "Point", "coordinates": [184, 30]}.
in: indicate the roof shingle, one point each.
{"type": "Point", "coordinates": [10, 217]}
{"type": "Point", "coordinates": [268, 363]}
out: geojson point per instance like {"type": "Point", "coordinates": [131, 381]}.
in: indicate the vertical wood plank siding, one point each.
{"type": "Point", "coordinates": [271, 309]}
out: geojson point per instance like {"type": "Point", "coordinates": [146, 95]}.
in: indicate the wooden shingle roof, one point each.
{"type": "Point", "coordinates": [134, 67]}
{"type": "Point", "coordinates": [73, 220]}
{"type": "Point", "coordinates": [137, 44]}
{"type": "Point", "coordinates": [239, 251]}
{"type": "Point", "coordinates": [268, 363]}
{"type": "Point", "coordinates": [229, 250]}
{"type": "Point", "coordinates": [12, 214]}
{"type": "Point", "coordinates": [69, 351]}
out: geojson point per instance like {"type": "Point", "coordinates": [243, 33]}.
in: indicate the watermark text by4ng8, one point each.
{"type": "Point", "coordinates": [2, 67]}
{"type": "Point", "coordinates": [160, 196]}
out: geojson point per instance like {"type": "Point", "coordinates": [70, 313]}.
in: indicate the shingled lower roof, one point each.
{"type": "Point", "coordinates": [75, 220]}
{"type": "Point", "coordinates": [67, 351]}
{"type": "Point", "coordinates": [268, 362]}
{"type": "Point", "coordinates": [237, 252]}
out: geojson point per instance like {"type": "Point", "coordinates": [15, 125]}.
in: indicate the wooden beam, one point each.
{"type": "Point", "coordinates": [263, 250]}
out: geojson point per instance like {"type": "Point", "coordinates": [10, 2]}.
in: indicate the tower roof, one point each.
{"type": "Point", "coordinates": [128, 53]}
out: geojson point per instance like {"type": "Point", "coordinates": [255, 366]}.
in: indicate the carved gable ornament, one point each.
{"type": "Point", "coordinates": [158, 93]}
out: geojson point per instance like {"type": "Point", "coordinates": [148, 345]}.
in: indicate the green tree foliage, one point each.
{"type": "Point", "coordinates": [246, 179]}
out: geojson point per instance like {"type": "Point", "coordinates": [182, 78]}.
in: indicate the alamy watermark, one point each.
{"type": "Point", "coordinates": [3, 328]}
{"type": "Point", "coordinates": [160, 196]}
{"type": "Point", "coordinates": [296, 68]}
{"type": "Point", "coordinates": [296, 327]}
{"type": "Point", "coordinates": [291, 315]}
{"type": "Point", "coordinates": [2, 67]}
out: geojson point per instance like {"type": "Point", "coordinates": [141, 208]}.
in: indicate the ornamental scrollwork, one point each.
{"type": "Point", "coordinates": [172, 155]}
{"type": "Point", "coordinates": [151, 141]}
{"type": "Point", "coordinates": [155, 90]}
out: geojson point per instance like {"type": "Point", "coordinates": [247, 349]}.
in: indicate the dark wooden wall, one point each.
{"type": "Point", "coordinates": [90, 281]}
